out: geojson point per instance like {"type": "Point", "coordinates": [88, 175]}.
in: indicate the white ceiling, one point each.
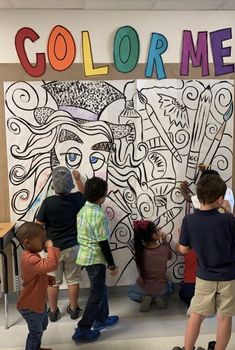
{"type": "Point", "coordinates": [155, 5]}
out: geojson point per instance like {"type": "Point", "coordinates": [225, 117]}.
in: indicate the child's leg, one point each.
{"type": "Point", "coordinates": [186, 292]}
{"type": "Point", "coordinates": [135, 293]}
{"type": "Point", "coordinates": [53, 293]}
{"type": "Point", "coordinates": [192, 330]}
{"type": "Point", "coordinates": [37, 323]}
{"type": "Point", "coordinates": [96, 274]}
{"type": "Point", "coordinates": [223, 333]}
{"type": "Point", "coordinates": [73, 291]}
{"type": "Point", "coordinates": [72, 273]}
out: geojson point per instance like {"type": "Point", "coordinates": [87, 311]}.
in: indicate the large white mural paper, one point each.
{"type": "Point", "coordinates": [144, 136]}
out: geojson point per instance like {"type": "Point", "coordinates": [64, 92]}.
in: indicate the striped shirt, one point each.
{"type": "Point", "coordinates": [92, 228]}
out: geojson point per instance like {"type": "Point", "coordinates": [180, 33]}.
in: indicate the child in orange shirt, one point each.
{"type": "Point", "coordinates": [32, 300]}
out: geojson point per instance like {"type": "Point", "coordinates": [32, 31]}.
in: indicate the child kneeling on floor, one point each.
{"type": "Point", "coordinates": [151, 254]}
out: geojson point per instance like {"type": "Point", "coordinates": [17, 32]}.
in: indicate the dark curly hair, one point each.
{"type": "Point", "coordinates": [142, 234]}
{"type": "Point", "coordinates": [95, 189]}
{"type": "Point", "coordinates": [29, 230]}
{"type": "Point", "coordinates": [209, 188]}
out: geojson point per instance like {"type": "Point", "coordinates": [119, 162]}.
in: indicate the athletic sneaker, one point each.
{"type": "Point", "coordinates": [85, 336]}
{"type": "Point", "coordinates": [74, 314]}
{"type": "Point", "coordinates": [109, 322]}
{"type": "Point", "coordinates": [54, 315]}
{"type": "Point", "coordinates": [161, 302]}
{"type": "Point", "coordinates": [145, 303]}
{"type": "Point", "coordinates": [211, 345]}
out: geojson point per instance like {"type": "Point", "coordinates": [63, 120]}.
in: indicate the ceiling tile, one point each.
{"type": "Point", "coordinates": [48, 4]}
{"type": "Point", "coordinates": [228, 5]}
{"type": "Point", "coordinates": [118, 5]}
{"type": "Point", "coordinates": [188, 5]}
{"type": "Point", "coordinates": [5, 4]}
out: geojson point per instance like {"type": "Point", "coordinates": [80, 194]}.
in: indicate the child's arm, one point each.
{"type": "Point", "coordinates": [104, 245]}
{"type": "Point", "coordinates": [45, 265]}
{"type": "Point", "coordinates": [77, 179]}
{"type": "Point", "coordinates": [185, 191]}
{"type": "Point", "coordinates": [40, 222]}
{"type": "Point", "coordinates": [183, 249]}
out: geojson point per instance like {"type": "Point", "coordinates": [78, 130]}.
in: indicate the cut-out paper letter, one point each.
{"type": "Point", "coordinates": [34, 70]}
{"type": "Point", "coordinates": [61, 48]}
{"type": "Point", "coordinates": [199, 55]}
{"type": "Point", "coordinates": [158, 46]}
{"type": "Point", "coordinates": [219, 52]}
{"type": "Point", "coordinates": [126, 49]}
{"type": "Point", "coordinates": [89, 68]}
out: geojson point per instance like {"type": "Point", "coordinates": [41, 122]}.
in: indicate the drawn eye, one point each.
{"type": "Point", "coordinates": [73, 158]}
{"type": "Point", "coordinates": [97, 160]}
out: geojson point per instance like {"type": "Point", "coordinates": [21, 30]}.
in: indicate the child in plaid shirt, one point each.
{"type": "Point", "coordinates": [94, 253]}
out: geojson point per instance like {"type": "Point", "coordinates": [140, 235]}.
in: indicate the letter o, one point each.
{"type": "Point", "coordinates": [126, 49]}
{"type": "Point", "coordinates": [61, 48]}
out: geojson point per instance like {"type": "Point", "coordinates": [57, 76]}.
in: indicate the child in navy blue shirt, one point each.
{"type": "Point", "coordinates": [212, 235]}
{"type": "Point", "coordinates": [58, 215]}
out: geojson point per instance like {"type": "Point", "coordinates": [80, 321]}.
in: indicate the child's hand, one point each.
{"type": "Point", "coordinates": [184, 187]}
{"type": "Point", "coordinates": [163, 239]}
{"type": "Point", "coordinates": [226, 206]}
{"type": "Point", "coordinates": [47, 244]}
{"type": "Point", "coordinates": [114, 272]}
{"type": "Point", "coordinates": [76, 175]}
{"type": "Point", "coordinates": [51, 280]}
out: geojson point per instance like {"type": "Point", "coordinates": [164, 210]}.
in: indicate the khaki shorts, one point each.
{"type": "Point", "coordinates": [68, 267]}
{"type": "Point", "coordinates": [214, 297]}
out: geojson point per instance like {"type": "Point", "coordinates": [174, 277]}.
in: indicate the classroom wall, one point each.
{"type": "Point", "coordinates": [102, 27]}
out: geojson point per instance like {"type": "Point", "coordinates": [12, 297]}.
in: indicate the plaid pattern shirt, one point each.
{"type": "Point", "coordinates": [92, 228]}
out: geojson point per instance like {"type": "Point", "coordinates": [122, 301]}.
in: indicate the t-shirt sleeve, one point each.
{"type": "Point", "coordinates": [42, 213]}
{"type": "Point", "coordinates": [184, 235]}
{"type": "Point", "coordinates": [81, 199]}
{"type": "Point", "coordinates": [101, 230]}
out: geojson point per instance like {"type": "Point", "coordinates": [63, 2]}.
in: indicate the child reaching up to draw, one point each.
{"type": "Point", "coordinates": [211, 234]}
{"type": "Point", "coordinates": [32, 300]}
{"type": "Point", "coordinates": [151, 254]}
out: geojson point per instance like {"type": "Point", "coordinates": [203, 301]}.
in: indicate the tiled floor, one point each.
{"type": "Point", "coordinates": [154, 330]}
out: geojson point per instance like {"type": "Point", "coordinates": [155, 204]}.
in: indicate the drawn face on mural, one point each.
{"type": "Point", "coordinates": [85, 147]}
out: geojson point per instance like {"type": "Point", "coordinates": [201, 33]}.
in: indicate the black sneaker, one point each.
{"type": "Point", "coordinates": [54, 315]}
{"type": "Point", "coordinates": [74, 314]}
{"type": "Point", "coordinates": [211, 345]}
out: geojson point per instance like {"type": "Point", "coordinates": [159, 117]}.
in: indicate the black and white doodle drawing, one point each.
{"type": "Point", "coordinates": [144, 136]}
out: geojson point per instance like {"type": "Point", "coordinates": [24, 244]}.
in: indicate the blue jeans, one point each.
{"type": "Point", "coordinates": [37, 324]}
{"type": "Point", "coordinates": [97, 308]}
{"type": "Point", "coordinates": [136, 293]}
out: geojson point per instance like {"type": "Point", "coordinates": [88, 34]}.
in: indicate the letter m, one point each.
{"type": "Point", "coordinates": [198, 55]}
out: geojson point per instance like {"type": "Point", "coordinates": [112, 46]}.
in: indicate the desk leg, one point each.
{"type": "Point", "coordinates": [16, 267]}
{"type": "Point", "coordinates": [5, 285]}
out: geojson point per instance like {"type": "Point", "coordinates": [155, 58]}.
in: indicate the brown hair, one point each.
{"type": "Point", "coordinates": [29, 230]}
{"type": "Point", "coordinates": [210, 187]}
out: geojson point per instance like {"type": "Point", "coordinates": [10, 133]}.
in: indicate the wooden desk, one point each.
{"type": "Point", "coordinates": [7, 233]}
